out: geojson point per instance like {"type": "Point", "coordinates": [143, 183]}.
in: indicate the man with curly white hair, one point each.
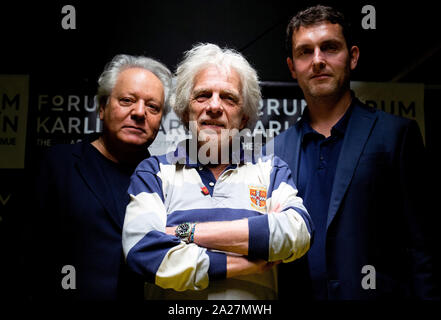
{"type": "Point", "coordinates": [203, 226]}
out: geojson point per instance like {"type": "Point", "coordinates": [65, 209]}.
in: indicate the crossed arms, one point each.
{"type": "Point", "coordinates": [258, 242]}
{"type": "Point", "coordinates": [229, 236]}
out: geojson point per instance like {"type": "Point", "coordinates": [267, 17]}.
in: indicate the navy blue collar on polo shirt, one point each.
{"type": "Point", "coordinates": [187, 154]}
{"type": "Point", "coordinates": [318, 163]}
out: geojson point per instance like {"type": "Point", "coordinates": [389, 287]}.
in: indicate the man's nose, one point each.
{"type": "Point", "coordinates": [214, 104]}
{"type": "Point", "coordinates": [138, 110]}
{"type": "Point", "coordinates": [318, 60]}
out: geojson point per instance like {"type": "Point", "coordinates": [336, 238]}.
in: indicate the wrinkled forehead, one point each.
{"type": "Point", "coordinates": [135, 77]}
{"type": "Point", "coordinates": [218, 75]}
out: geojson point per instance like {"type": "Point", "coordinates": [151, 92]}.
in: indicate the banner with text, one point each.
{"type": "Point", "coordinates": [14, 91]}
{"type": "Point", "coordinates": [65, 116]}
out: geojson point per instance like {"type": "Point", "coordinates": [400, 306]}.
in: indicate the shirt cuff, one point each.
{"type": "Point", "coordinates": [258, 238]}
{"type": "Point", "coordinates": [218, 265]}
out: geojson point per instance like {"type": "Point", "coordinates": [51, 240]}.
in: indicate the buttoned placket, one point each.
{"type": "Point", "coordinates": [209, 181]}
{"type": "Point", "coordinates": [324, 146]}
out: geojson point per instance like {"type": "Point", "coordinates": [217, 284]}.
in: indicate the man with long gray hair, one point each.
{"type": "Point", "coordinates": [81, 189]}
{"type": "Point", "coordinates": [203, 226]}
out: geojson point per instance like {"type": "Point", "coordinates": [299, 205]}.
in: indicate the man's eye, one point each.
{"type": "Point", "coordinates": [304, 52]}
{"type": "Point", "coordinates": [125, 101]}
{"type": "Point", "coordinates": [230, 98]}
{"type": "Point", "coordinates": [330, 48]}
{"type": "Point", "coordinates": [154, 108]}
{"type": "Point", "coordinates": [202, 97]}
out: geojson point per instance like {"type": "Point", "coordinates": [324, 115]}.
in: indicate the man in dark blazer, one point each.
{"type": "Point", "coordinates": [80, 189]}
{"type": "Point", "coordinates": [360, 172]}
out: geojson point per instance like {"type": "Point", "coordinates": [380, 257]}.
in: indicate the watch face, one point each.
{"type": "Point", "coordinates": [183, 229]}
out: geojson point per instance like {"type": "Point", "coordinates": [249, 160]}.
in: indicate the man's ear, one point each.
{"type": "Point", "coordinates": [354, 55]}
{"type": "Point", "coordinates": [101, 112]}
{"type": "Point", "coordinates": [185, 119]}
{"type": "Point", "coordinates": [291, 68]}
{"type": "Point", "coordinates": [103, 102]}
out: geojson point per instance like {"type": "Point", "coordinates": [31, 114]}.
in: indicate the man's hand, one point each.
{"type": "Point", "coordinates": [277, 208]}
{"type": "Point", "coordinates": [240, 266]}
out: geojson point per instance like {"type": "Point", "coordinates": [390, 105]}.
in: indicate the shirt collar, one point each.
{"type": "Point", "coordinates": [186, 153]}
{"type": "Point", "coordinates": [339, 128]}
{"type": "Point", "coordinates": [341, 125]}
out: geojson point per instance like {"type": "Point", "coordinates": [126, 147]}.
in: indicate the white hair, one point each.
{"type": "Point", "coordinates": [121, 62]}
{"type": "Point", "coordinates": [204, 55]}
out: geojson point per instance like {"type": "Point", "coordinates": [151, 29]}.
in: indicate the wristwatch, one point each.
{"type": "Point", "coordinates": [185, 231]}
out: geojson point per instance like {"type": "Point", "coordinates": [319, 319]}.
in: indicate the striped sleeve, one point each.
{"type": "Point", "coordinates": [162, 259]}
{"type": "Point", "coordinates": [289, 228]}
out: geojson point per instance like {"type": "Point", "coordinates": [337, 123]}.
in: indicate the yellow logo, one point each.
{"type": "Point", "coordinates": [258, 197]}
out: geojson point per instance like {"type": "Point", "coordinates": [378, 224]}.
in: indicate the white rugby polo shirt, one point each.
{"type": "Point", "coordinates": [171, 189]}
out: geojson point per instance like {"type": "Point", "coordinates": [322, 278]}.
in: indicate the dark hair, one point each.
{"type": "Point", "coordinates": [315, 15]}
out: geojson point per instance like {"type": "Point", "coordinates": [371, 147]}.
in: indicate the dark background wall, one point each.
{"type": "Point", "coordinates": [34, 41]}
{"type": "Point", "coordinates": [404, 47]}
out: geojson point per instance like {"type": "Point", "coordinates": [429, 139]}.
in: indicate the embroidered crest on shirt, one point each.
{"type": "Point", "coordinates": [258, 197]}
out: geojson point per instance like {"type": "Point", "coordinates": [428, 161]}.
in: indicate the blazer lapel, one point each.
{"type": "Point", "coordinates": [95, 182]}
{"type": "Point", "coordinates": [357, 133]}
{"type": "Point", "coordinates": [292, 153]}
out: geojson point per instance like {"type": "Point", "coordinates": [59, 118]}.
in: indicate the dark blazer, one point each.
{"type": "Point", "coordinates": [77, 224]}
{"type": "Point", "coordinates": [376, 215]}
